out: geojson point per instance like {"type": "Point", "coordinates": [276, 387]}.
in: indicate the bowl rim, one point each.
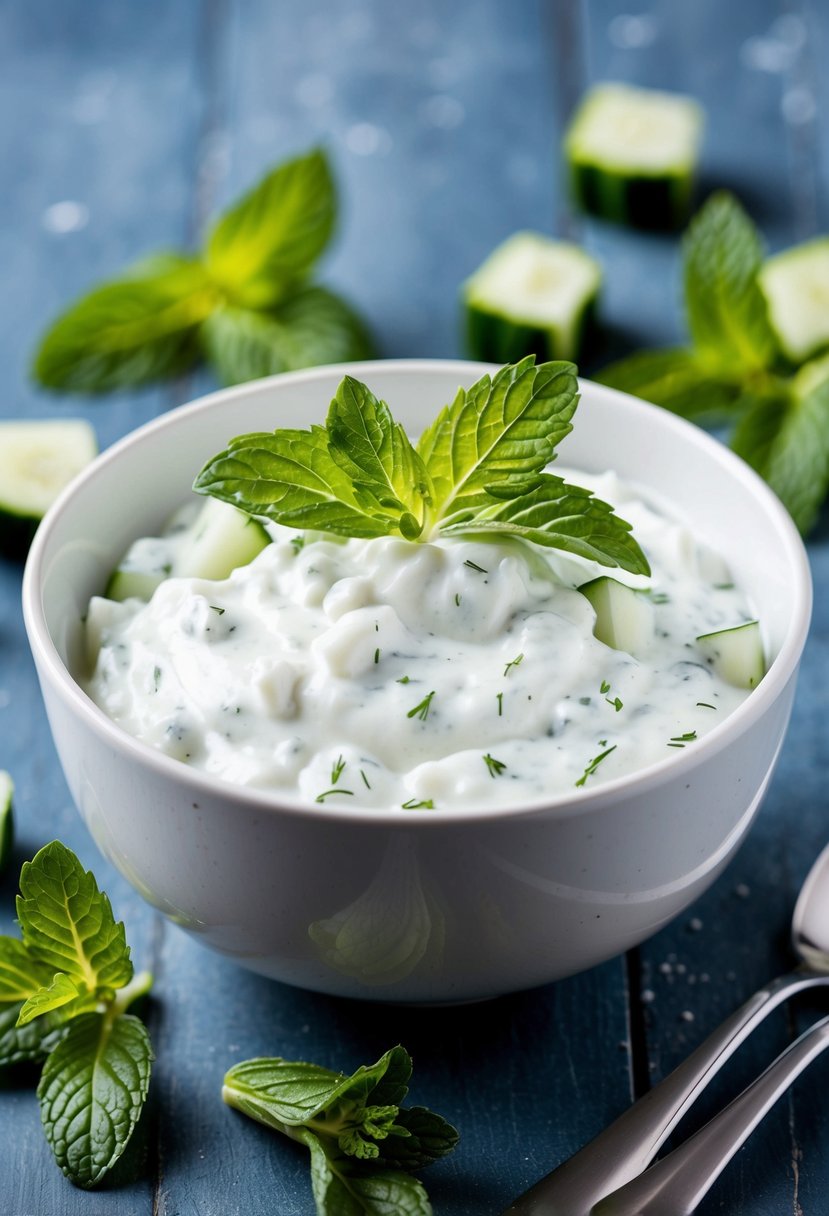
{"type": "Point", "coordinates": [564, 805]}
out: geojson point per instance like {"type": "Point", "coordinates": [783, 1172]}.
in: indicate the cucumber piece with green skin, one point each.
{"type": "Point", "coordinates": [532, 295]}
{"type": "Point", "coordinates": [632, 155]}
{"type": "Point", "coordinates": [736, 654]}
{"type": "Point", "coordinates": [221, 539]}
{"type": "Point", "coordinates": [37, 459]}
{"type": "Point", "coordinates": [6, 818]}
{"type": "Point", "coordinates": [624, 617]}
{"type": "Point", "coordinates": [796, 286]}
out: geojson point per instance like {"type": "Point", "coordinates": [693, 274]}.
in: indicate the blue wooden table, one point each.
{"type": "Point", "coordinates": [124, 127]}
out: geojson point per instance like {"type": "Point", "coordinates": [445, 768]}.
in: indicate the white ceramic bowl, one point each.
{"type": "Point", "coordinates": [451, 906]}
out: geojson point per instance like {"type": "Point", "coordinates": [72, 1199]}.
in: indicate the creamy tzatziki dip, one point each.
{"type": "Point", "coordinates": [454, 673]}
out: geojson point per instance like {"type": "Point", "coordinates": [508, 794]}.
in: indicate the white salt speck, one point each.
{"type": "Point", "coordinates": [743, 890]}
{"type": "Point", "coordinates": [5, 698]}
{"type": "Point", "coordinates": [233, 1046]}
{"type": "Point", "coordinates": [731, 975]}
{"type": "Point", "coordinates": [798, 105]}
{"type": "Point", "coordinates": [647, 996]}
{"type": "Point", "coordinates": [66, 216]}
{"type": "Point", "coordinates": [666, 968]}
{"type": "Point", "coordinates": [443, 111]}
{"type": "Point", "coordinates": [631, 31]}
{"type": "Point", "coordinates": [687, 1015]}
{"type": "Point", "coordinates": [704, 977]}
{"type": "Point", "coordinates": [314, 91]}
{"type": "Point", "coordinates": [365, 139]}
{"type": "Point", "coordinates": [692, 979]}
{"type": "Point", "coordinates": [695, 924]}
{"type": "Point", "coordinates": [681, 968]}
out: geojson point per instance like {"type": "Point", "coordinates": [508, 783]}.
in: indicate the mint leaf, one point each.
{"type": "Point", "coordinates": [56, 995]}
{"type": "Point", "coordinates": [314, 326]}
{"type": "Point", "coordinates": [129, 331]}
{"type": "Point", "coordinates": [388, 1194]}
{"type": "Point", "coordinates": [91, 1092]}
{"type": "Point", "coordinates": [289, 477]}
{"type": "Point", "coordinates": [784, 435]}
{"type": "Point", "coordinates": [676, 379]}
{"type": "Point", "coordinates": [558, 516]}
{"type": "Point", "coordinates": [21, 974]}
{"type": "Point", "coordinates": [269, 240]}
{"type": "Point", "coordinates": [727, 311]}
{"type": "Point", "coordinates": [280, 1093]}
{"type": "Point", "coordinates": [374, 451]}
{"type": "Point", "coordinates": [30, 1043]}
{"type": "Point", "coordinates": [502, 429]}
{"type": "Point", "coordinates": [429, 1138]}
{"type": "Point", "coordinates": [67, 922]}
{"type": "Point", "coordinates": [393, 1071]}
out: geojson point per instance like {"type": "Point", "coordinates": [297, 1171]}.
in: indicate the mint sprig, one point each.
{"type": "Point", "coordinates": [64, 991]}
{"type": "Point", "coordinates": [733, 374]}
{"type": "Point", "coordinates": [362, 1141]}
{"type": "Point", "coordinates": [246, 303]}
{"type": "Point", "coordinates": [478, 469]}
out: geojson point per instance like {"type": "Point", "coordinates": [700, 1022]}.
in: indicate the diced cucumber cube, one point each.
{"type": "Point", "coordinates": [624, 617]}
{"type": "Point", "coordinates": [37, 459]}
{"type": "Point", "coordinates": [532, 295]}
{"type": "Point", "coordinates": [633, 154]}
{"type": "Point", "coordinates": [736, 654]}
{"type": "Point", "coordinates": [796, 286]}
{"type": "Point", "coordinates": [222, 538]}
{"type": "Point", "coordinates": [6, 818]}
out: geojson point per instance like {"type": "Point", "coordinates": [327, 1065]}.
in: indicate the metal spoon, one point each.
{"type": "Point", "coordinates": [624, 1150]}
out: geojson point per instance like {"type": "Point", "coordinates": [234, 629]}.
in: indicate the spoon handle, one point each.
{"type": "Point", "coordinates": [625, 1148]}
{"type": "Point", "coordinates": [677, 1183]}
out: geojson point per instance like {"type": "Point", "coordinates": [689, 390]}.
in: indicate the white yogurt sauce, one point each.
{"type": "Point", "coordinates": [387, 674]}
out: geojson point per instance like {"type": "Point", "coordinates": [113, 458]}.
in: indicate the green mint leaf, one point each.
{"type": "Point", "coordinates": [91, 1092]}
{"type": "Point", "coordinates": [503, 429]}
{"type": "Point", "coordinates": [727, 311]}
{"type": "Point", "coordinates": [33, 1042]}
{"type": "Point", "coordinates": [67, 922]}
{"type": "Point", "coordinates": [21, 974]}
{"type": "Point", "coordinates": [784, 435]}
{"type": "Point", "coordinates": [559, 516]}
{"type": "Point", "coordinates": [392, 1084]}
{"type": "Point", "coordinates": [268, 241]}
{"type": "Point", "coordinates": [130, 331]}
{"type": "Point", "coordinates": [280, 1093]}
{"type": "Point", "coordinates": [289, 477]}
{"type": "Point", "coordinates": [312, 327]}
{"type": "Point", "coordinates": [677, 380]}
{"type": "Point", "coordinates": [342, 1187]}
{"type": "Point", "coordinates": [429, 1138]}
{"type": "Point", "coordinates": [61, 992]}
{"type": "Point", "coordinates": [375, 453]}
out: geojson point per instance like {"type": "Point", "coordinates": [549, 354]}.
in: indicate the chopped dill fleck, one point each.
{"type": "Point", "coordinates": [167, 568]}
{"type": "Point", "coordinates": [659, 597]}
{"type": "Point", "coordinates": [421, 710]}
{"type": "Point", "coordinates": [496, 767]}
{"type": "Point", "coordinates": [216, 608]}
{"type": "Point", "coordinates": [513, 663]}
{"type": "Point", "coordinates": [595, 762]}
{"type": "Point", "coordinates": [585, 700]}
{"type": "Point", "coordinates": [156, 678]}
{"type": "Point", "coordinates": [377, 655]}
{"type": "Point", "coordinates": [681, 740]}
{"type": "Point", "coordinates": [413, 805]}
{"type": "Point", "coordinates": [706, 705]}
{"type": "Point", "coordinates": [457, 600]}
{"type": "Point", "coordinates": [337, 769]}
{"type": "Point", "coordinates": [723, 586]}
{"type": "Point", "coordinates": [402, 680]}
{"type": "Point", "coordinates": [323, 796]}
{"type": "Point", "coordinates": [617, 703]}
{"type": "Point", "coordinates": [604, 687]}
{"type": "Point", "coordinates": [365, 780]}
{"type": "Point", "coordinates": [499, 697]}
{"type": "Point", "coordinates": [297, 543]}
{"type": "Point", "coordinates": [474, 566]}
{"type": "Point", "coordinates": [376, 626]}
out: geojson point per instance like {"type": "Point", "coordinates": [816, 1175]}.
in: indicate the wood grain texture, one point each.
{"type": "Point", "coordinates": [125, 127]}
